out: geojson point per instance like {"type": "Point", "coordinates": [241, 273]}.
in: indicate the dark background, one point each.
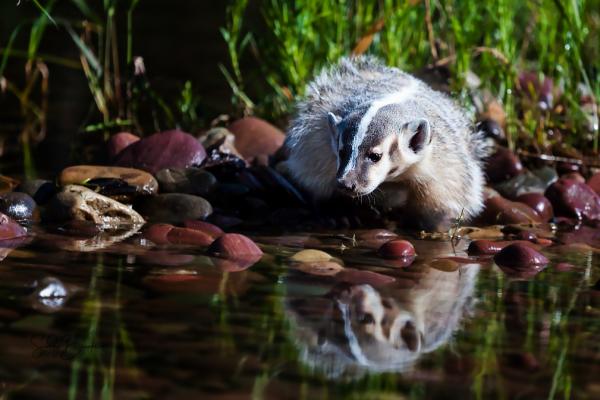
{"type": "Point", "coordinates": [178, 39]}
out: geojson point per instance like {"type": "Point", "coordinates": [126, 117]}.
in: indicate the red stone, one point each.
{"type": "Point", "coordinates": [234, 246]}
{"type": "Point", "coordinates": [157, 233]}
{"type": "Point", "coordinates": [397, 248]}
{"type": "Point", "coordinates": [502, 165]}
{"type": "Point", "coordinates": [205, 227]}
{"type": "Point", "coordinates": [360, 277]}
{"type": "Point", "coordinates": [520, 256]}
{"type": "Point", "coordinates": [9, 229]}
{"type": "Point", "coordinates": [594, 183]}
{"type": "Point", "coordinates": [120, 141]}
{"type": "Point", "coordinates": [189, 236]}
{"type": "Point", "coordinates": [574, 199]}
{"type": "Point", "coordinates": [539, 203]}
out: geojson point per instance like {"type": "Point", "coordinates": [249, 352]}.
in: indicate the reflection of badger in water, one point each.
{"type": "Point", "coordinates": [355, 329]}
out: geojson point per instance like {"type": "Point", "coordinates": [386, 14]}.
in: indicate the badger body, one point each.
{"type": "Point", "coordinates": [362, 123]}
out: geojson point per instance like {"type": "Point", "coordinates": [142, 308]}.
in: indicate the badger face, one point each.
{"type": "Point", "coordinates": [376, 145]}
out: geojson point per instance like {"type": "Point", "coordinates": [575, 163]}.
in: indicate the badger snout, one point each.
{"type": "Point", "coordinates": [346, 185]}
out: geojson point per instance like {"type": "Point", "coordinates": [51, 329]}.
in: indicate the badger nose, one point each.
{"type": "Point", "coordinates": [343, 184]}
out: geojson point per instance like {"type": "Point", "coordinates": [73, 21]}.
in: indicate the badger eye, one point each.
{"type": "Point", "coordinates": [375, 157]}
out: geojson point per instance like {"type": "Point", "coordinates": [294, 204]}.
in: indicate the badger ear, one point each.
{"type": "Point", "coordinates": [334, 120]}
{"type": "Point", "coordinates": [412, 337]}
{"type": "Point", "coordinates": [419, 132]}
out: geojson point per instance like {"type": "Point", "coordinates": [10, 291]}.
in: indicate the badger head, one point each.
{"type": "Point", "coordinates": [377, 144]}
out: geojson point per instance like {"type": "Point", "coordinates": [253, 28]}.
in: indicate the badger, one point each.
{"type": "Point", "coordinates": [363, 124]}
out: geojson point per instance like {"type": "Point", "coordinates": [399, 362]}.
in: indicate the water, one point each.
{"type": "Point", "coordinates": [131, 322]}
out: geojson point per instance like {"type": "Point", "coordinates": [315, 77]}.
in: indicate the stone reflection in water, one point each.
{"type": "Point", "coordinates": [355, 329]}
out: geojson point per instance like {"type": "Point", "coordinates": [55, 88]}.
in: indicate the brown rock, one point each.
{"type": "Point", "coordinates": [574, 199]}
{"type": "Point", "coordinates": [157, 233]}
{"type": "Point", "coordinates": [80, 174]}
{"type": "Point", "coordinates": [255, 137]}
{"type": "Point", "coordinates": [397, 249]}
{"type": "Point", "coordinates": [520, 256]}
{"type": "Point", "coordinates": [9, 229]}
{"type": "Point", "coordinates": [499, 210]}
{"type": "Point", "coordinates": [189, 236]}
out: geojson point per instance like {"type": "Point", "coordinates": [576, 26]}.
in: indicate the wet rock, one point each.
{"type": "Point", "coordinates": [50, 295]}
{"type": "Point", "coordinates": [119, 141]}
{"type": "Point", "coordinates": [493, 130]}
{"type": "Point", "coordinates": [484, 247]}
{"type": "Point", "coordinates": [362, 277]}
{"type": "Point", "coordinates": [310, 255]}
{"type": "Point", "coordinates": [539, 203]}
{"type": "Point", "coordinates": [502, 165]}
{"type": "Point", "coordinates": [374, 238]}
{"type": "Point", "coordinates": [527, 236]}
{"type": "Point", "coordinates": [445, 264]}
{"type": "Point", "coordinates": [9, 229]}
{"type": "Point", "coordinates": [488, 247]}
{"type": "Point", "coordinates": [79, 203]}
{"type": "Point", "coordinates": [170, 149]}
{"type": "Point", "coordinates": [255, 137]}
{"type": "Point", "coordinates": [175, 208]}
{"type": "Point", "coordinates": [225, 221]}
{"type": "Point", "coordinates": [581, 235]}
{"type": "Point", "coordinates": [397, 249]}
{"type": "Point", "coordinates": [205, 227]}
{"type": "Point", "coordinates": [189, 237]}
{"type": "Point", "coordinates": [564, 267]}
{"type": "Point", "coordinates": [40, 190]}
{"type": "Point", "coordinates": [520, 256]}
{"type": "Point", "coordinates": [143, 182]}
{"type": "Point", "coordinates": [594, 183]}
{"type": "Point", "coordinates": [157, 233]}
{"type": "Point", "coordinates": [521, 184]}
{"type": "Point", "coordinates": [18, 206]}
{"type": "Point", "coordinates": [499, 210]}
{"type": "Point", "coordinates": [234, 246]}
{"type": "Point", "coordinates": [191, 181]}
{"type": "Point", "coordinates": [320, 268]}
{"type": "Point", "coordinates": [567, 168]}
{"type": "Point", "coordinates": [573, 199]}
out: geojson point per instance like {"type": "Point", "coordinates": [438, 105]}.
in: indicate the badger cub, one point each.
{"type": "Point", "coordinates": [362, 124]}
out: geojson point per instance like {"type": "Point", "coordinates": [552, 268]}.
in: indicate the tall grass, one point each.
{"type": "Point", "coordinates": [495, 40]}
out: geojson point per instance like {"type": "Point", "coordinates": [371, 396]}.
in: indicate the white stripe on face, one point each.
{"type": "Point", "coordinates": [392, 98]}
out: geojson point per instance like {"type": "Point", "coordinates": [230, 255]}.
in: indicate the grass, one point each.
{"type": "Point", "coordinates": [495, 40]}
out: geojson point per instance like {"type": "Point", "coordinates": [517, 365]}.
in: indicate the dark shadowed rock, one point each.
{"type": "Point", "coordinates": [576, 176]}
{"type": "Point", "coordinates": [499, 210]}
{"type": "Point", "coordinates": [255, 137]}
{"type": "Point", "coordinates": [9, 229]}
{"type": "Point", "coordinates": [502, 165]}
{"type": "Point", "coordinates": [521, 184]}
{"type": "Point", "coordinates": [189, 180]}
{"type": "Point", "coordinates": [141, 181]}
{"type": "Point", "coordinates": [493, 130]}
{"type": "Point", "coordinates": [574, 199]}
{"type": "Point", "coordinates": [170, 149]}
{"type": "Point", "coordinates": [175, 208]}
{"type": "Point", "coordinates": [79, 203]}
{"type": "Point", "coordinates": [520, 256]}
{"type": "Point", "coordinates": [539, 203]}
{"type": "Point", "coordinates": [118, 142]}
{"type": "Point", "coordinates": [40, 190]}
{"type": "Point", "coordinates": [18, 206]}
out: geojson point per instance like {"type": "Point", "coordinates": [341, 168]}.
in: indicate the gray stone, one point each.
{"type": "Point", "coordinates": [175, 208]}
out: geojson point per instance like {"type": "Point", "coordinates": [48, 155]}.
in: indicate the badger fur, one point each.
{"type": "Point", "coordinates": [362, 123]}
